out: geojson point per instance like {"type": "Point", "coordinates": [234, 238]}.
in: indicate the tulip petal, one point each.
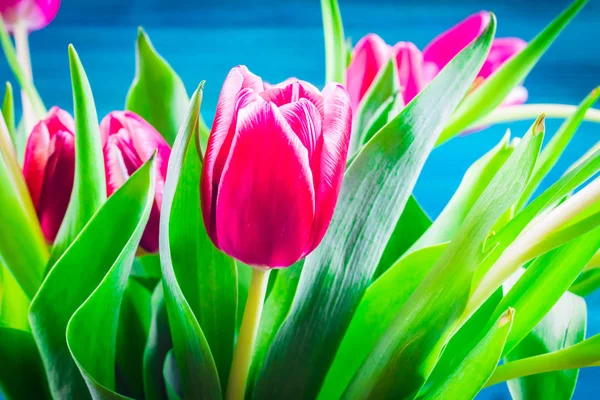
{"type": "Point", "coordinates": [292, 93]}
{"type": "Point", "coordinates": [114, 164]}
{"type": "Point", "coordinates": [58, 184]}
{"type": "Point", "coordinates": [410, 69]}
{"type": "Point", "coordinates": [502, 49]}
{"type": "Point", "coordinates": [368, 57]}
{"type": "Point", "coordinates": [329, 162]}
{"type": "Point", "coordinates": [265, 205]}
{"type": "Point", "coordinates": [223, 127]}
{"type": "Point", "coordinates": [288, 82]}
{"type": "Point", "coordinates": [35, 13]}
{"type": "Point", "coordinates": [37, 153]}
{"type": "Point", "coordinates": [305, 120]}
{"type": "Point", "coordinates": [448, 44]}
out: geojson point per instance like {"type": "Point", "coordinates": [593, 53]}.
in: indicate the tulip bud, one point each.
{"type": "Point", "coordinates": [128, 142]}
{"type": "Point", "coordinates": [34, 14]}
{"type": "Point", "coordinates": [273, 168]}
{"type": "Point", "coordinates": [49, 168]}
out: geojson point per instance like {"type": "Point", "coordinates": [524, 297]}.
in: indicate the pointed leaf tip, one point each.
{"type": "Point", "coordinates": [507, 317]}
{"type": "Point", "coordinates": [539, 125]}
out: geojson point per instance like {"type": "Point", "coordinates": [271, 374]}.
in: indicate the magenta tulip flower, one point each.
{"type": "Point", "coordinates": [128, 142]}
{"type": "Point", "coordinates": [33, 14]}
{"type": "Point", "coordinates": [273, 168]}
{"type": "Point", "coordinates": [416, 68]}
{"type": "Point", "coordinates": [49, 168]}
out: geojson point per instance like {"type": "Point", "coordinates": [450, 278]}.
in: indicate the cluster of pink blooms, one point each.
{"type": "Point", "coordinates": [276, 154]}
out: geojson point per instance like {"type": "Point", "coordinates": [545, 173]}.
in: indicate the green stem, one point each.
{"type": "Point", "coordinates": [532, 111]}
{"type": "Point", "coordinates": [21, 36]}
{"type": "Point", "coordinates": [244, 349]}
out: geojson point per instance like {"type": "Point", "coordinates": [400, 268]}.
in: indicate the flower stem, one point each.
{"type": "Point", "coordinates": [21, 36]}
{"type": "Point", "coordinates": [532, 111]}
{"type": "Point", "coordinates": [244, 349]}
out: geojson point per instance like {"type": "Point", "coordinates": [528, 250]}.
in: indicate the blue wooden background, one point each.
{"type": "Point", "coordinates": [276, 39]}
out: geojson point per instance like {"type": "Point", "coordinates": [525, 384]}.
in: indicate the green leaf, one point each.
{"type": "Point", "coordinates": [376, 188]}
{"type": "Point", "coordinates": [207, 277]}
{"type": "Point", "coordinates": [92, 330]}
{"type": "Point", "coordinates": [199, 374]}
{"type": "Point", "coordinates": [158, 344]}
{"type": "Point", "coordinates": [13, 302]}
{"type": "Point", "coordinates": [171, 377]}
{"type": "Point", "coordinates": [580, 355]}
{"type": "Point", "coordinates": [106, 241]}
{"type": "Point", "coordinates": [562, 327]}
{"type": "Point", "coordinates": [132, 336]}
{"type": "Point", "coordinates": [157, 93]}
{"type": "Point", "coordinates": [557, 145]}
{"type": "Point", "coordinates": [377, 310]}
{"type": "Point", "coordinates": [386, 83]}
{"type": "Point", "coordinates": [24, 81]}
{"type": "Point", "coordinates": [335, 46]}
{"type": "Point", "coordinates": [275, 310]}
{"type": "Point", "coordinates": [8, 112]}
{"type": "Point", "coordinates": [461, 343]}
{"type": "Point", "coordinates": [475, 369]}
{"type": "Point", "coordinates": [544, 282]}
{"type": "Point", "coordinates": [410, 226]}
{"type": "Point", "coordinates": [382, 115]}
{"type": "Point", "coordinates": [475, 181]}
{"type": "Point", "coordinates": [21, 371]}
{"type": "Point", "coordinates": [89, 185]}
{"type": "Point", "coordinates": [401, 361]}
{"type": "Point", "coordinates": [494, 89]}
{"type": "Point", "coordinates": [24, 255]}
{"type": "Point", "coordinates": [550, 197]}
{"type": "Point", "coordinates": [589, 280]}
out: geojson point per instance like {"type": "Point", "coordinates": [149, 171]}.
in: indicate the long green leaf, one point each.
{"type": "Point", "coordinates": [413, 223]}
{"type": "Point", "coordinates": [71, 282]}
{"type": "Point", "coordinates": [207, 277]}
{"type": "Point", "coordinates": [544, 282]}
{"type": "Point", "coordinates": [199, 374]}
{"type": "Point", "coordinates": [376, 188]}
{"type": "Point", "coordinates": [275, 310]}
{"type": "Point", "coordinates": [132, 335]}
{"type": "Point", "coordinates": [8, 111]}
{"type": "Point", "coordinates": [25, 255]}
{"type": "Point", "coordinates": [494, 89]}
{"type": "Point", "coordinates": [335, 46]}
{"type": "Point", "coordinates": [24, 81]}
{"type": "Point", "coordinates": [405, 355]}
{"type": "Point", "coordinates": [92, 330]}
{"type": "Point", "coordinates": [550, 197]}
{"type": "Point", "coordinates": [89, 185]}
{"type": "Point", "coordinates": [386, 83]}
{"type": "Point", "coordinates": [382, 301]}
{"type": "Point", "coordinates": [157, 92]}
{"type": "Point", "coordinates": [557, 145]}
{"type": "Point", "coordinates": [171, 377]}
{"type": "Point", "coordinates": [475, 369]}
{"type": "Point", "coordinates": [562, 327]}
{"type": "Point", "coordinates": [474, 182]}
{"type": "Point", "coordinates": [21, 371]}
{"type": "Point", "coordinates": [158, 344]}
{"type": "Point", "coordinates": [13, 302]}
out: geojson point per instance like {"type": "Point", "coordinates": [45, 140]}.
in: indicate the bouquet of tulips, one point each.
{"type": "Point", "coordinates": [281, 254]}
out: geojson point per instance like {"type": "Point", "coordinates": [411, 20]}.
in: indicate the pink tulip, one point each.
{"type": "Point", "coordinates": [34, 14]}
{"type": "Point", "coordinates": [49, 168]}
{"type": "Point", "coordinates": [273, 168]}
{"type": "Point", "coordinates": [416, 69]}
{"type": "Point", "coordinates": [128, 142]}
